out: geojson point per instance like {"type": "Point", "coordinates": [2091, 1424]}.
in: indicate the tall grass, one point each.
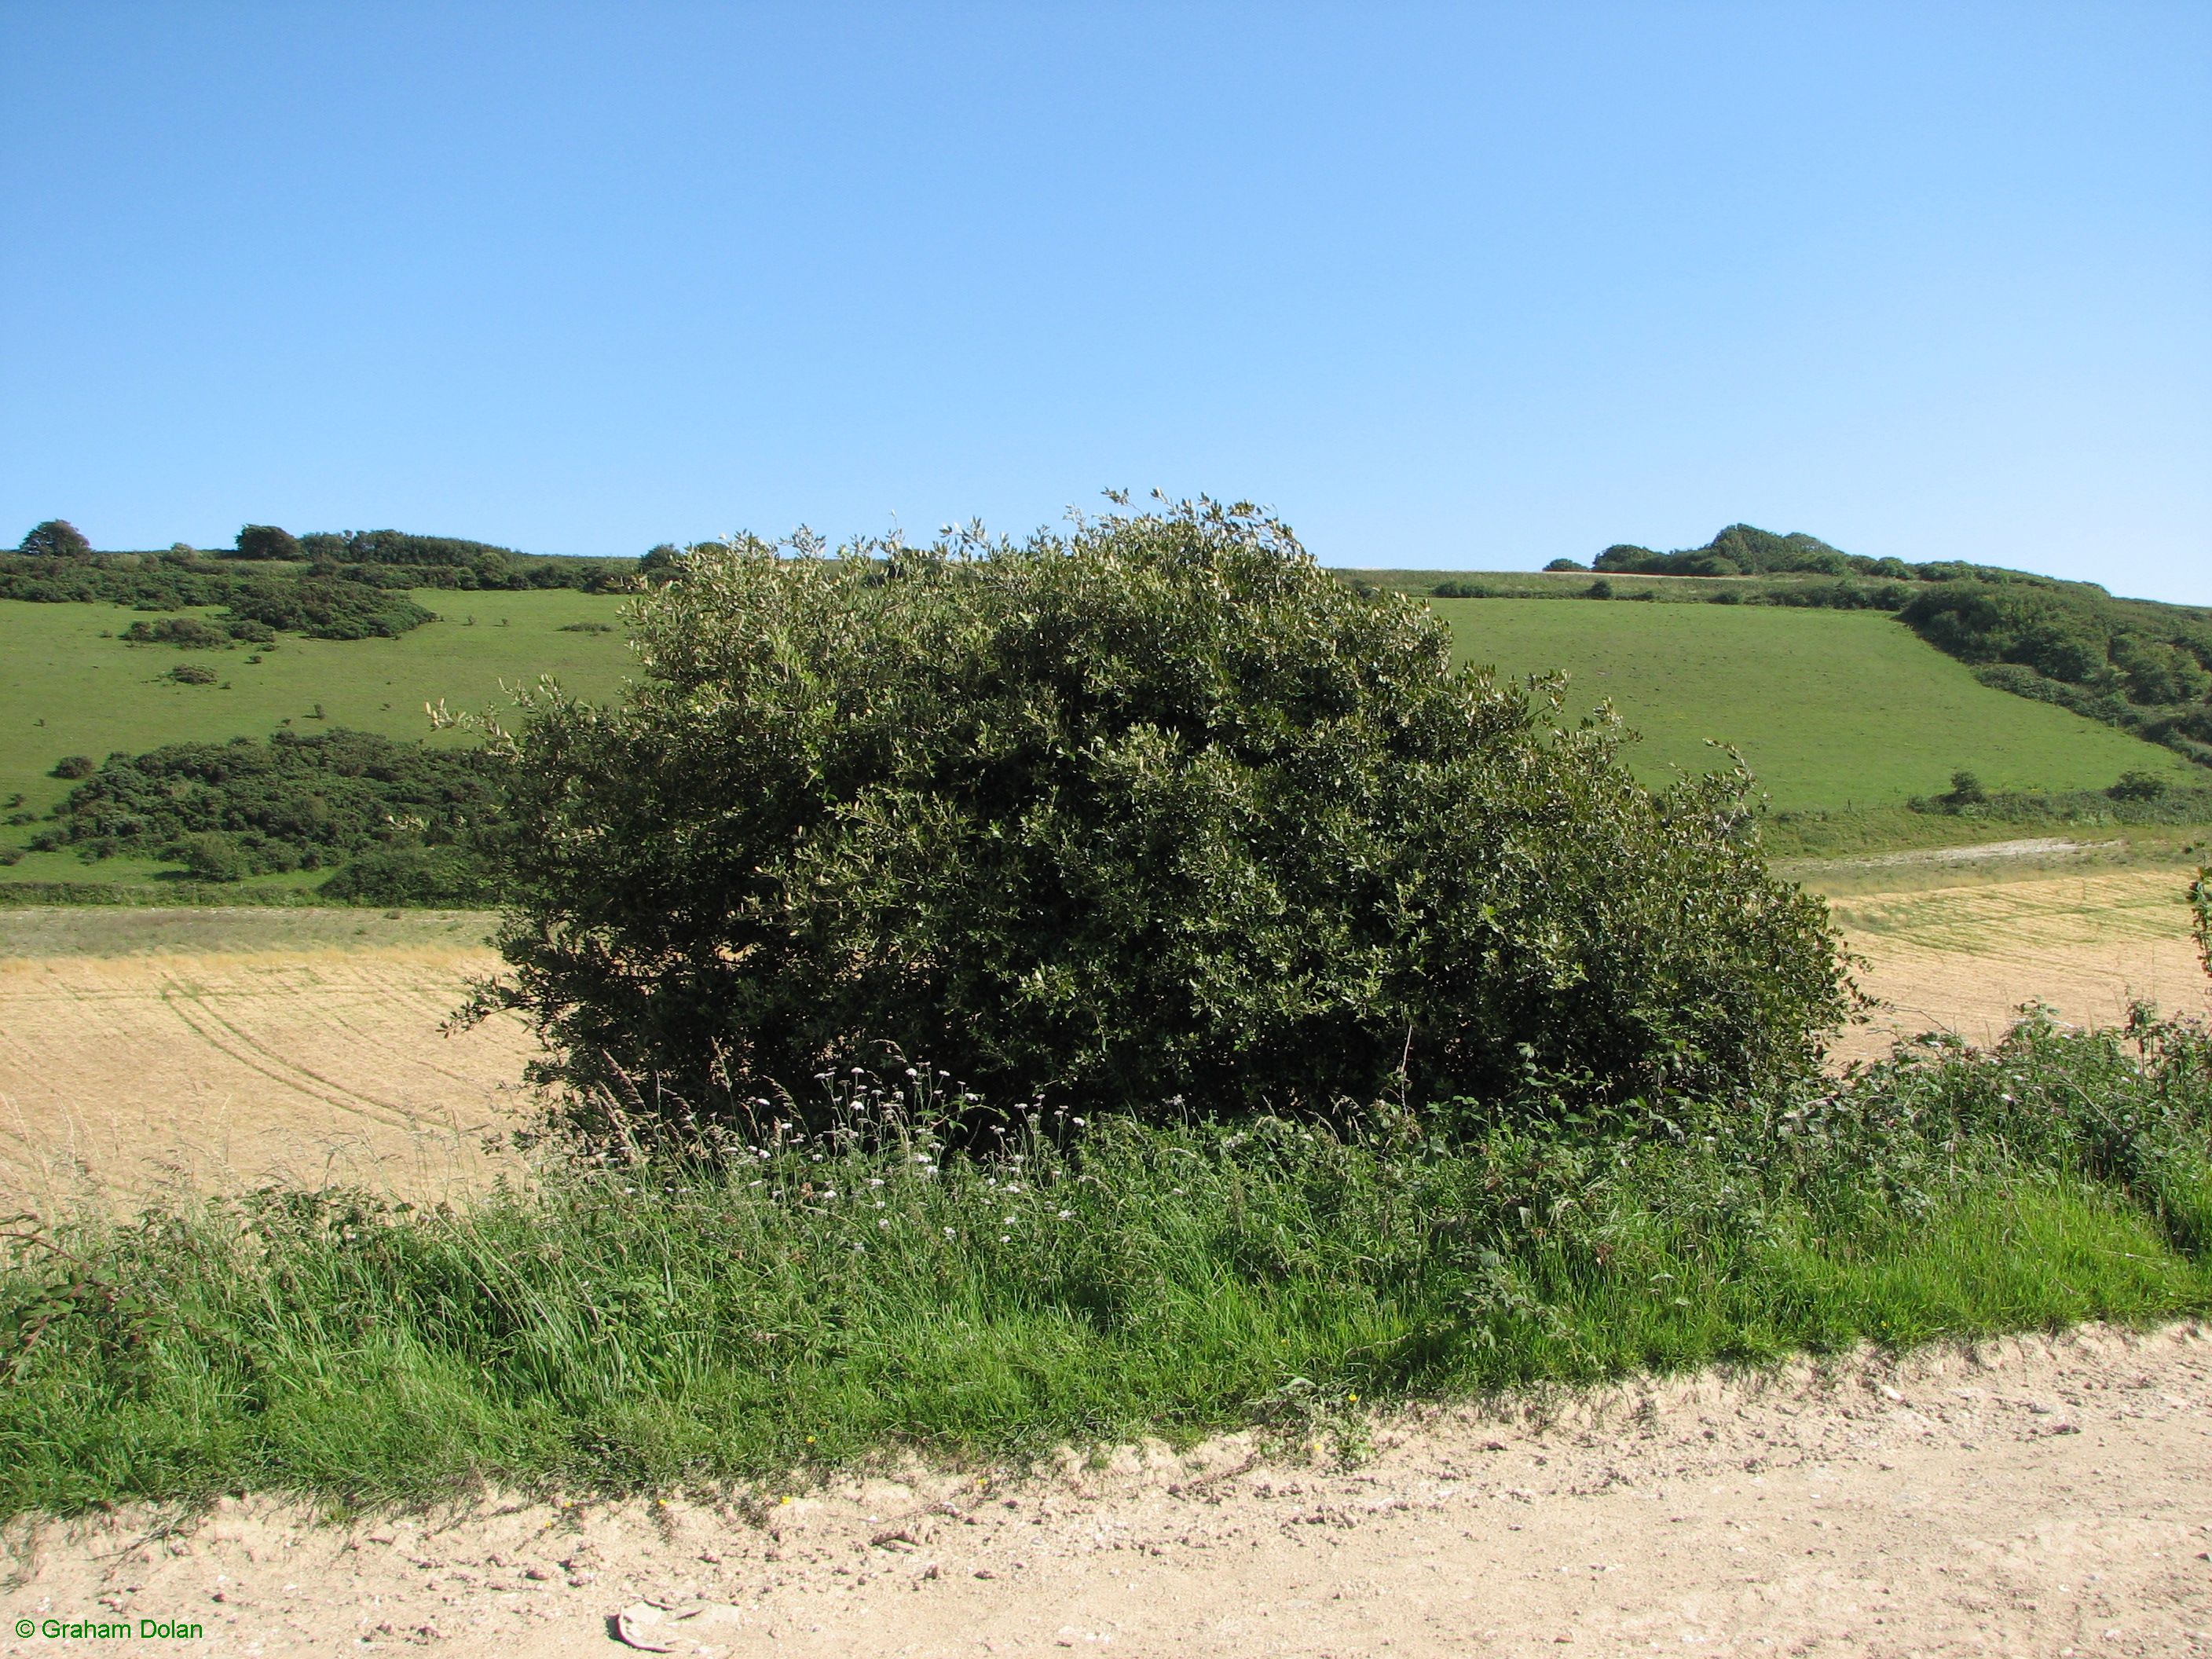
{"type": "Point", "coordinates": [798, 1303]}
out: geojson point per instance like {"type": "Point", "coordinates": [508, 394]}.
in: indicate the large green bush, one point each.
{"type": "Point", "coordinates": [1160, 815]}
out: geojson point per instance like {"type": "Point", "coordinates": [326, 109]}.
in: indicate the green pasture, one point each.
{"type": "Point", "coordinates": [68, 687]}
{"type": "Point", "coordinates": [1835, 710]}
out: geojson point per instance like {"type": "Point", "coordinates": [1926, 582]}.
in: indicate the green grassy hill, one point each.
{"type": "Point", "coordinates": [1833, 709]}
{"type": "Point", "coordinates": [1837, 711]}
{"type": "Point", "coordinates": [68, 687]}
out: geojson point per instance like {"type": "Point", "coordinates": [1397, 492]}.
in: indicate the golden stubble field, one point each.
{"type": "Point", "coordinates": [223, 1050]}
{"type": "Point", "coordinates": [1963, 949]}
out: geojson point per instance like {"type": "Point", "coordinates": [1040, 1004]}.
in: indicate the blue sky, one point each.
{"type": "Point", "coordinates": [1459, 287]}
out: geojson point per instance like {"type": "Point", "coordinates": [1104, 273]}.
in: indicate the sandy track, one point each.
{"type": "Point", "coordinates": [120, 1072]}
{"type": "Point", "coordinates": [2030, 1497]}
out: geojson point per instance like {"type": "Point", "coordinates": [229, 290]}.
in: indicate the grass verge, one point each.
{"type": "Point", "coordinates": [800, 1304]}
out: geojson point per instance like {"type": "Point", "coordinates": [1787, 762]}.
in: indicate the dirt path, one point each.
{"type": "Point", "coordinates": [2043, 1496]}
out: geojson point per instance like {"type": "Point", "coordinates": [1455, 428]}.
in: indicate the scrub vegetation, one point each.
{"type": "Point", "coordinates": [297, 801]}
{"type": "Point", "coordinates": [1014, 995]}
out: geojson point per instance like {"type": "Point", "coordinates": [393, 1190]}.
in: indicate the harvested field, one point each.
{"type": "Point", "coordinates": [1964, 958]}
{"type": "Point", "coordinates": [258, 1045]}
{"type": "Point", "coordinates": [139, 1047]}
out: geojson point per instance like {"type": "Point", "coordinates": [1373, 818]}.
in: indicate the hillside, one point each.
{"type": "Point", "coordinates": [1839, 710]}
{"type": "Point", "coordinates": [1833, 709]}
{"type": "Point", "coordinates": [2143, 667]}
{"type": "Point", "coordinates": [69, 687]}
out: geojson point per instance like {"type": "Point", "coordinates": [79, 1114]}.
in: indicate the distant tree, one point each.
{"type": "Point", "coordinates": [2138, 786]}
{"type": "Point", "coordinates": [57, 538]}
{"type": "Point", "coordinates": [661, 564]}
{"type": "Point", "coordinates": [1965, 790]}
{"type": "Point", "coordinates": [1626, 555]}
{"type": "Point", "coordinates": [1566, 564]}
{"type": "Point", "coordinates": [1600, 589]}
{"type": "Point", "coordinates": [267, 541]}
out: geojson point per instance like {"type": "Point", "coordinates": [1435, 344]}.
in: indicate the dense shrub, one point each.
{"type": "Point", "coordinates": [293, 802]}
{"type": "Point", "coordinates": [327, 606]}
{"type": "Point", "coordinates": [1162, 811]}
{"type": "Point", "coordinates": [2033, 627]}
{"type": "Point", "coordinates": [1965, 790]}
{"type": "Point", "coordinates": [397, 558]}
{"type": "Point", "coordinates": [2138, 786]}
{"type": "Point", "coordinates": [190, 632]}
{"type": "Point", "coordinates": [2079, 635]}
{"type": "Point", "coordinates": [74, 766]}
{"type": "Point", "coordinates": [1746, 549]}
{"type": "Point", "coordinates": [213, 858]}
{"type": "Point", "coordinates": [329, 609]}
{"type": "Point", "coordinates": [1739, 549]}
{"type": "Point", "coordinates": [430, 877]}
{"type": "Point", "coordinates": [190, 673]}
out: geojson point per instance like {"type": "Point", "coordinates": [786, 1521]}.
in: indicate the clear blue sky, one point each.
{"type": "Point", "coordinates": [1466, 286]}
